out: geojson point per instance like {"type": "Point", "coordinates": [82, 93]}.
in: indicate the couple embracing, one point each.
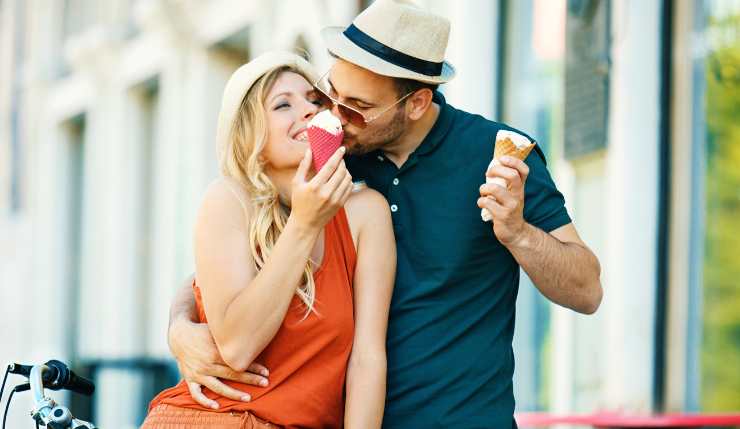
{"type": "Point", "coordinates": [316, 304]}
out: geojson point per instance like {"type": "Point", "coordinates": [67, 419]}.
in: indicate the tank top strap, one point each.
{"type": "Point", "coordinates": [341, 239]}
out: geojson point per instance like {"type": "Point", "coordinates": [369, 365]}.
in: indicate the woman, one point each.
{"type": "Point", "coordinates": [293, 269]}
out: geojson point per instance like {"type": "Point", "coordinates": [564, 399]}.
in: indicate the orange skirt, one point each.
{"type": "Point", "coordinates": [170, 417]}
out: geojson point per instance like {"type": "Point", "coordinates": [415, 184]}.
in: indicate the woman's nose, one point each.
{"type": "Point", "coordinates": [311, 110]}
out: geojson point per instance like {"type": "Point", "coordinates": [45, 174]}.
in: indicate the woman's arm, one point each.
{"type": "Point", "coordinates": [373, 286]}
{"type": "Point", "coordinates": [245, 308]}
{"type": "Point", "coordinates": [197, 356]}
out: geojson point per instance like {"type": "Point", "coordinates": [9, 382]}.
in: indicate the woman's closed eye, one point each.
{"type": "Point", "coordinates": [286, 105]}
{"type": "Point", "coordinates": [317, 101]}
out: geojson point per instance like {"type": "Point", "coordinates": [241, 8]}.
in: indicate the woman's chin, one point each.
{"type": "Point", "coordinates": [301, 143]}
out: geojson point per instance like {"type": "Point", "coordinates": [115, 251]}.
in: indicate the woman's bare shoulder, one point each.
{"type": "Point", "coordinates": [365, 206]}
{"type": "Point", "coordinates": [225, 200]}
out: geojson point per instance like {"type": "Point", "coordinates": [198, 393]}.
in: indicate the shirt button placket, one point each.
{"type": "Point", "coordinates": [394, 207]}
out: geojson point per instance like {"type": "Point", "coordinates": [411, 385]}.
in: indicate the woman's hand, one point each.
{"type": "Point", "coordinates": [316, 201]}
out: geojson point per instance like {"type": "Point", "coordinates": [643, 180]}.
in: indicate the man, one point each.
{"type": "Point", "coordinates": [450, 360]}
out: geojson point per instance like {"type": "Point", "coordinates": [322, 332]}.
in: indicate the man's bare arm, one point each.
{"type": "Point", "coordinates": [183, 304]}
{"type": "Point", "coordinates": [197, 356]}
{"type": "Point", "coordinates": [561, 266]}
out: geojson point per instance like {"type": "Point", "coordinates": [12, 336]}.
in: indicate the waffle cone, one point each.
{"type": "Point", "coordinates": [323, 145]}
{"type": "Point", "coordinates": [504, 147]}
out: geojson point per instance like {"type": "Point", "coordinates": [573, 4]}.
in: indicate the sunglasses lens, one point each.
{"type": "Point", "coordinates": [353, 117]}
{"type": "Point", "coordinates": [323, 99]}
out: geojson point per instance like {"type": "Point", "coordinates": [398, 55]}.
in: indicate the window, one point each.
{"type": "Point", "coordinates": [16, 108]}
{"type": "Point", "coordinates": [586, 76]}
{"type": "Point", "coordinates": [72, 192]}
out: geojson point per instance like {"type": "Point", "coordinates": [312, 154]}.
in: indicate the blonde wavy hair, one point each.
{"type": "Point", "coordinates": [241, 161]}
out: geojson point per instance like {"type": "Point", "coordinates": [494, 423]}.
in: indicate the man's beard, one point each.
{"type": "Point", "coordinates": [379, 138]}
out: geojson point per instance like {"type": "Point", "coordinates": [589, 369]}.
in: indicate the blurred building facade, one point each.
{"type": "Point", "coordinates": [107, 117]}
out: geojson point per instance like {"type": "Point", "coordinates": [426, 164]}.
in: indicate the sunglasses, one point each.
{"type": "Point", "coordinates": [352, 115]}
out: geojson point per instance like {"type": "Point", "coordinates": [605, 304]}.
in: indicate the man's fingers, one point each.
{"type": "Point", "coordinates": [328, 169]}
{"type": "Point", "coordinates": [225, 390]}
{"type": "Point", "coordinates": [496, 209]}
{"type": "Point", "coordinates": [253, 379]}
{"type": "Point", "coordinates": [517, 164]}
{"type": "Point", "coordinates": [199, 397]}
{"type": "Point", "coordinates": [494, 190]}
{"type": "Point", "coordinates": [510, 175]}
{"type": "Point", "coordinates": [256, 368]}
{"type": "Point", "coordinates": [304, 166]}
{"type": "Point", "coordinates": [503, 196]}
{"type": "Point", "coordinates": [225, 372]}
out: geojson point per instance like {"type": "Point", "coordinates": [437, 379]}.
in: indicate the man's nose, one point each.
{"type": "Point", "coordinates": [338, 114]}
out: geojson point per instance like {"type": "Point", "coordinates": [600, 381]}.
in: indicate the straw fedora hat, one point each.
{"type": "Point", "coordinates": [242, 80]}
{"type": "Point", "coordinates": [395, 38]}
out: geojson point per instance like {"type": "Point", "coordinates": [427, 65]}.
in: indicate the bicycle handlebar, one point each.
{"type": "Point", "coordinates": [57, 376]}
{"type": "Point", "coordinates": [54, 375]}
{"type": "Point", "coordinates": [61, 377]}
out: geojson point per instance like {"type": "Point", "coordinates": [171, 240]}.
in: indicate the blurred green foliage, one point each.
{"type": "Point", "coordinates": [720, 352]}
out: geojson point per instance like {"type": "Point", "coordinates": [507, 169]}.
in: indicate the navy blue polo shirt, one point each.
{"type": "Point", "coordinates": [450, 359]}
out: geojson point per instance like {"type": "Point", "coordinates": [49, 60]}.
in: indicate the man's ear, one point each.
{"type": "Point", "coordinates": [418, 103]}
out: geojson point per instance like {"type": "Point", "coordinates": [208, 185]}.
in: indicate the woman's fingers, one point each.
{"type": "Point", "coordinates": [346, 190]}
{"type": "Point", "coordinates": [328, 169]}
{"type": "Point", "coordinates": [304, 166]}
{"type": "Point", "coordinates": [336, 179]}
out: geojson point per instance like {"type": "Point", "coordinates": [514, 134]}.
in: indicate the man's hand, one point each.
{"type": "Point", "coordinates": [201, 365]}
{"type": "Point", "coordinates": [506, 204]}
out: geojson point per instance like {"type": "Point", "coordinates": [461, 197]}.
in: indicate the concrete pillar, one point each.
{"type": "Point", "coordinates": [632, 184]}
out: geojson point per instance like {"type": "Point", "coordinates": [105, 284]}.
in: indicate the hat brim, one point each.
{"type": "Point", "coordinates": [338, 44]}
{"type": "Point", "coordinates": [242, 80]}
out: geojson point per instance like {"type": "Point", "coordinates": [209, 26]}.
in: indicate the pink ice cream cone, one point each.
{"type": "Point", "coordinates": [323, 143]}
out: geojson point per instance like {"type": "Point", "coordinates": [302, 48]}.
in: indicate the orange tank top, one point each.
{"type": "Point", "coordinates": [308, 357]}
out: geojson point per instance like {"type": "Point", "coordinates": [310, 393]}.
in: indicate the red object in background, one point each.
{"type": "Point", "coordinates": [614, 420]}
{"type": "Point", "coordinates": [323, 145]}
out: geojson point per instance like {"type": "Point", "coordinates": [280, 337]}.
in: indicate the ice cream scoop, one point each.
{"type": "Point", "coordinates": [508, 143]}
{"type": "Point", "coordinates": [325, 136]}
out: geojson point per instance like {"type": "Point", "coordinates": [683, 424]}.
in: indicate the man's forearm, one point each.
{"type": "Point", "coordinates": [566, 273]}
{"type": "Point", "coordinates": [183, 304]}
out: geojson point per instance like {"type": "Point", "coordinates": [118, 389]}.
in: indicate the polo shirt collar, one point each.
{"type": "Point", "coordinates": [440, 128]}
